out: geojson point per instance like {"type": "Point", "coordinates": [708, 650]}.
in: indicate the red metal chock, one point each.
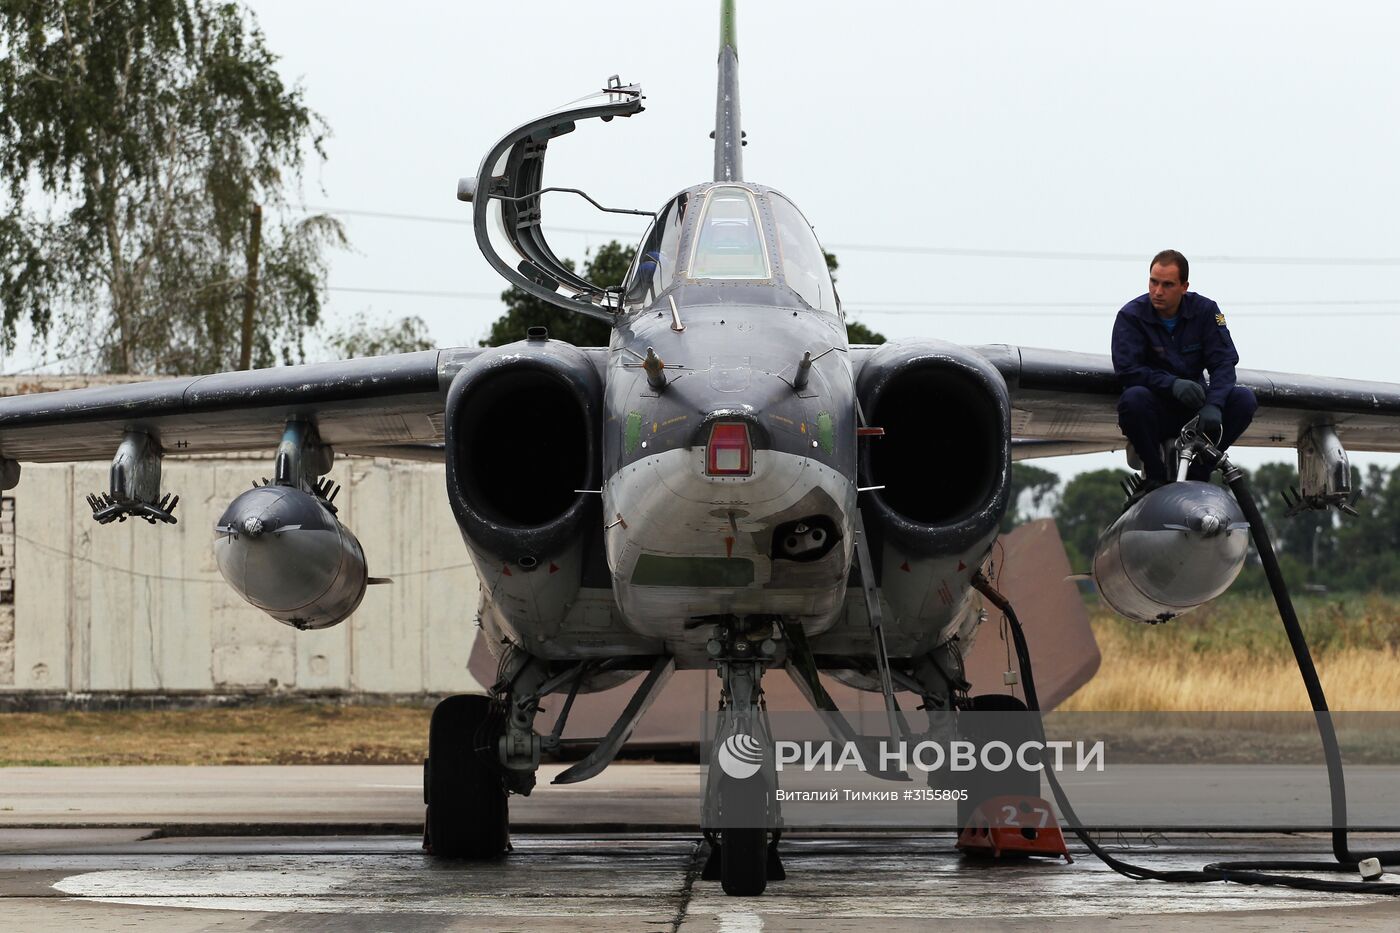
{"type": "Point", "coordinates": [1013, 825]}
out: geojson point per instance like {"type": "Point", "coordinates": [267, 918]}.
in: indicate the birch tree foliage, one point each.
{"type": "Point", "coordinates": [136, 137]}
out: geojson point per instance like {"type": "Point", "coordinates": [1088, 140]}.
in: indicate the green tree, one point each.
{"type": "Point", "coordinates": [1356, 553]}
{"type": "Point", "coordinates": [1346, 553]}
{"type": "Point", "coordinates": [605, 268]}
{"type": "Point", "coordinates": [856, 332]}
{"type": "Point", "coordinates": [1088, 505]}
{"type": "Point", "coordinates": [1032, 483]}
{"type": "Point", "coordinates": [1366, 555]}
{"type": "Point", "coordinates": [363, 336]}
{"type": "Point", "coordinates": [137, 139]}
{"type": "Point", "coordinates": [1303, 537]}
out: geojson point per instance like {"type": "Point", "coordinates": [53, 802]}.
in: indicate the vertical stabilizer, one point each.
{"type": "Point", "coordinates": [729, 142]}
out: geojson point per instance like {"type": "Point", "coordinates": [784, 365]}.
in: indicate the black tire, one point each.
{"type": "Point", "coordinates": [743, 861]}
{"type": "Point", "coordinates": [468, 816]}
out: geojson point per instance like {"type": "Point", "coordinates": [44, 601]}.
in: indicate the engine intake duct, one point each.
{"type": "Point", "coordinates": [945, 458]}
{"type": "Point", "coordinates": [523, 426]}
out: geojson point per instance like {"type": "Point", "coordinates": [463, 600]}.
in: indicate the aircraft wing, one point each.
{"type": "Point", "coordinates": [1064, 402]}
{"type": "Point", "coordinates": [391, 405]}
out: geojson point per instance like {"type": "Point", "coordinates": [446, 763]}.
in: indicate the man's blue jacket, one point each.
{"type": "Point", "coordinates": [1146, 354]}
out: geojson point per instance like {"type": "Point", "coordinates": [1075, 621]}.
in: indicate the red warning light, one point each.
{"type": "Point", "coordinates": [729, 452]}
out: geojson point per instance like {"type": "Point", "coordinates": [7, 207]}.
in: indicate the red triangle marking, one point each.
{"type": "Point", "coordinates": [505, 569]}
{"type": "Point", "coordinates": [904, 566]}
{"type": "Point", "coordinates": [553, 567]}
{"type": "Point", "coordinates": [962, 566]}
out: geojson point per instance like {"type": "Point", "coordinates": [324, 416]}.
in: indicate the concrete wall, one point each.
{"type": "Point", "coordinates": [133, 607]}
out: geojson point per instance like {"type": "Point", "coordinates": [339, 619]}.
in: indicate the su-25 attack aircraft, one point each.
{"type": "Point", "coordinates": [727, 485]}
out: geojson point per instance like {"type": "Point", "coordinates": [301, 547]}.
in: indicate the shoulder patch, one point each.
{"type": "Point", "coordinates": [1219, 319]}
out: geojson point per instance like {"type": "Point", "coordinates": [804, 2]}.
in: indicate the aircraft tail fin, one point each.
{"type": "Point", "coordinates": [729, 136]}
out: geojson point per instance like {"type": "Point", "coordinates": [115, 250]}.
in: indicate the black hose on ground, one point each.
{"type": "Point", "coordinates": [1347, 860]}
{"type": "Point", "coordinates": [1240, 872]}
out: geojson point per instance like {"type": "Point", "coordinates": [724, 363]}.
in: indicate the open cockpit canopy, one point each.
{"type": "Point", "coordinates": [723, 233]}
{"type": "Point", "coordinates": [506, 198]}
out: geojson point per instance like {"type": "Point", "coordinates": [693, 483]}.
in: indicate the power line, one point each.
{"type": "Point", "coordinates": [457, 221]}
{"type": "Point", "coordinates": [1107, 311]}
{"type": "Point", "coordinates": [1110, 302]}
{"type": "Point", "coordinates": [929, 308]}
{"type": "Point", "coordinates": [966, 253]}
{"type": "Point", "coordinates": [952, 251]}
{"type": "Point", "coordinates": [960, 308]}
{"type": "Point", "coordinates": [416, 292]}
{"type": "Point", "coordinates": [32, 367]}
{"type": "Point", "coordinates": [389, 215]}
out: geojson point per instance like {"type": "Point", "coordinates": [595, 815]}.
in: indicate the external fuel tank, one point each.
{"type": "Point", "coordinates": [1176, 548]}
{"type": "Point", "coordinates": [285, 552]}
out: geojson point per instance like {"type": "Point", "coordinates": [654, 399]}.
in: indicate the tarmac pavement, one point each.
{"type": "Point", "coordinates": [327, 798]}
{"type": "Point", "coordinates": [110, 861]}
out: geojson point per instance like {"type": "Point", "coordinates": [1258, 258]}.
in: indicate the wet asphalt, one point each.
{"type": "Point", "coordinates": [338, 849]}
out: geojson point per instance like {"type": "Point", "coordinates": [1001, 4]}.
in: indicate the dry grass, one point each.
{"type": "Point", "coordinates": [1233, 656]}
{"type": "Point", "coordinates": [268, 735]}
{"type": "Point", "coordinates": [1354, 679]}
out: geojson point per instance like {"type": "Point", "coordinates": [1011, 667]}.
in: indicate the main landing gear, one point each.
{"type": "Point", "coordinates": [480, 749]}
{"type": "Point", "coordinates": [467, 811]}
{"type": "Point", "coordinates": [483, 748]}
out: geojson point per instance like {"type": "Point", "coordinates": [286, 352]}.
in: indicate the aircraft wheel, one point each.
{"type": "Point", "coordinates": [743, 861]}
{"type": "Point", "coordinates": [468, 814]}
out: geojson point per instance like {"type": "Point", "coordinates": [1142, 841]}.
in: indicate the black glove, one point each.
{"type": "Point", "coordinates": [1209, 419]}
{"type": "Point", "coordinates": [1190, 394]}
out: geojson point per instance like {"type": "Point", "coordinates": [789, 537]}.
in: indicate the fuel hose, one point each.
{"type": "Point", "coordinates": [1264, 872]}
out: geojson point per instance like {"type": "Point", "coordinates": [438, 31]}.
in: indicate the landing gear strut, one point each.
{"type": "Point", "coordinates": [741, 815]}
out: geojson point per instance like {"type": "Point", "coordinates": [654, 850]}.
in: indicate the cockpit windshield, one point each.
{"type": "Point", "coordinates": [804, 264]}
{"type": "Point", "coordinates": [656, 260]}
{"type": "Point", "coordinates": [739, 235]}
{"type": "Point", "coordinates": [729, 238]}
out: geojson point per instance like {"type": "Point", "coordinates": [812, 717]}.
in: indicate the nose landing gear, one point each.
{"type": "Point", "coordinates": [741, 818]}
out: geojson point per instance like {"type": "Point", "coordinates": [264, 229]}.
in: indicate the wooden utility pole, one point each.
{"type": "Point", "coordinates": [250, 288]}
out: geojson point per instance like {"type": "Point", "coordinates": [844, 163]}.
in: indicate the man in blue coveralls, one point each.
{"type": "Point", "coordinates": [1162, 341]}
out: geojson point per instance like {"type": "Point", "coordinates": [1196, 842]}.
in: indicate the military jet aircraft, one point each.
{"type": "Point", "coordinates": [727, 485]}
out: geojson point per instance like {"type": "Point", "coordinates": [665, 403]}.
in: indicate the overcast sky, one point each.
{"type": "Point", "coordinates": [1230, 131]}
